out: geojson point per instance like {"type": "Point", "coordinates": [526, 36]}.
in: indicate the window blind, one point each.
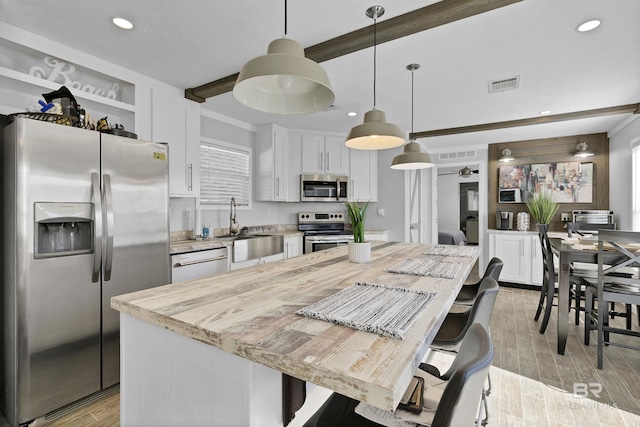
{"type": "Point", "coordinates": [224, 173]}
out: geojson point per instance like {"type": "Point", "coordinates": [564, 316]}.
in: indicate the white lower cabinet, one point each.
{"type": "Point", "coordinates": [292, 246]}
{"type": "Point", "coordinates": [255, 261]}
{"type": "Point", "coordinates": [521, 254]}
{"type": "Point", "coordinates": [378, 235]}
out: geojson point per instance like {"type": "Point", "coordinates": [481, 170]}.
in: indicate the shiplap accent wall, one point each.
{"type": "Point", "coordinates": [552, 150]}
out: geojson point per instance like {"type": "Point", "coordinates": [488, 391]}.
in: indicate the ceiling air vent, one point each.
{"type": "Point", "coordinates": [504, 84]}
{"type": "Point", "coordinates": [457, 155]}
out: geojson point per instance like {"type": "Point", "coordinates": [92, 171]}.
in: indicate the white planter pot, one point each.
{"type": "Point", "coordinates": [359, 252]}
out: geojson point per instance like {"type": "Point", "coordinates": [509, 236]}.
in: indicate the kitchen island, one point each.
{"type": "Point", "coordinates": [210, 351]}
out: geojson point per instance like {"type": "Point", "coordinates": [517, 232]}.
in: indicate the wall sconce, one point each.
{"type": "Point", "coordinates": [506, 155]}
{"type": "Point", "coordinates": [582, 150]}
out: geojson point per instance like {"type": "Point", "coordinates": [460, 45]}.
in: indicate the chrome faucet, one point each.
{"type": "Point", "coordinates": [233, 225]}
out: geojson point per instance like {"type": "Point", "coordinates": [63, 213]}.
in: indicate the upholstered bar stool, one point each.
{"type": "Point", "coordinates": [468, 294]}
{"type": "Point", "coordinates": [463, 391]}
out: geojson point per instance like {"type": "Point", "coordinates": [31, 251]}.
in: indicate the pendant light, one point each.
{"type": "Point", "coordinates": [375, 133]}
{"type": "Point", "coordinates": [284, 81]}
{"type": "Point", "coordinates": [412, 157]}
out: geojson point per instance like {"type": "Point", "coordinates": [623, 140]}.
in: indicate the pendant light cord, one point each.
{"type": "Point", "coordinates": [411, 135]}
{"type": "Point", "coordinates": [375, 42]}
{"type": "Point", "coordinates": [285, 17]}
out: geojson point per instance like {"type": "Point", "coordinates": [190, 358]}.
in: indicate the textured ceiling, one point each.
{"type": "Point", "coordinates": [188, 43]}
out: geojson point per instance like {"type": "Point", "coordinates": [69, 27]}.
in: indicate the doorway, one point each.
{"type": "Point", "coordinates": [469, 203]}
{"type": "Point", "coordinates": [424, 194]}
{"type": "Point", "coordinates": [462, 202]}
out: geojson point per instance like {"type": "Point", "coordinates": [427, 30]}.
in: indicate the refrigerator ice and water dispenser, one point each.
{"type": "Point", "coordinates": [63, 229]}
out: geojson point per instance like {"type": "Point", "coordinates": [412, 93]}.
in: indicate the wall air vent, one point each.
{"type": "Point", "coordinates": [501, 85]}
{"type": "Point", "coordinates": [457, 155]}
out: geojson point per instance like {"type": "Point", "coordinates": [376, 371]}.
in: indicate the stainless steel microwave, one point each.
{"type": "Point", "coordinates": [323, 188]}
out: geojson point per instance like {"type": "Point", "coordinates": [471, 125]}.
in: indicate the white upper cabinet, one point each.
{"type": "Point", "coordinates": [363, 175]}
{"type": "Point", "coordinates": [273, 165]}
{"type": "Point", "coordinates": [324, 155]}
{"type": "Point", "coordinates": [176, 120]}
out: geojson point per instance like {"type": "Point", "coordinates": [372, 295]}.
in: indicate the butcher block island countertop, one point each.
{"type": "Point", "coordinates": [251, 313]}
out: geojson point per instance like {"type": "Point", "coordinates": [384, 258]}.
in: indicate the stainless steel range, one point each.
{"type": "Point", "coordinates": [323, 230]}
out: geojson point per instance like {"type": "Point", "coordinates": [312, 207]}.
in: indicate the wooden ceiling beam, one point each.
{"type": "Point", "coordinates": [434, 15]}
{"type": "Point", "coordinates": [577, 115]}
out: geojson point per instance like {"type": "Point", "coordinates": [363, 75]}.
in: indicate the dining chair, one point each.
{"type": "Point", "coordinates": [454, 328]}
{"type": "Point", "coordinates": [469, 292]}
{"type": "Point", "coordinates": [549, 282]}
{"type": "Point", "coordinates": [585, 270]}
{"type": "Point", "coordinates": [622, 251]}
{"type": "Point", "coordinates": [582, 228]}
{"type": "Point", "coordinates": [462, 392]}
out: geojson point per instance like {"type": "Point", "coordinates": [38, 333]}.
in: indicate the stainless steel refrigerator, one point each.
{"type": "Point", "coordinates": [84, 217]}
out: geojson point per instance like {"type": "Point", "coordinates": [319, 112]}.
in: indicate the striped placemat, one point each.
{"type": "Point", "coordinates": [427, 267]}
{"type": "Point", "coordinates": [462, 251]}
{"type": "Point", "coordinates": [371, 307]}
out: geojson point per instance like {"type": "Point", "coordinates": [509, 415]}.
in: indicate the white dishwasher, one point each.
{"type": "Point", "coordinates": [195, 265]}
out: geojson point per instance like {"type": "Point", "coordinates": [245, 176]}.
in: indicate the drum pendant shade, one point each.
{"type": "Point", "coordinates": [412, 158]}
{"type": "Point", "coordinates": [284, 81]}
{"type": "Point", "coordinates": [375, 133]}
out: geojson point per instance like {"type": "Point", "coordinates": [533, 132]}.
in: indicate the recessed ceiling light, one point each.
{"type": "Point", "coordinates": [352, 113]}
{"type": "Point", "coordinates": [589, 25]}
{"type": "Point", "coordinates": [122, 23]}
{"type": "Point", "coordinates": [545, 112]}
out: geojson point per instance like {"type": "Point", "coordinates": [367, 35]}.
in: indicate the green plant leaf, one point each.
{"type": "Point", "coordinates": [357, 214]}
{"type": "Point", "coordinates": [542, 207]}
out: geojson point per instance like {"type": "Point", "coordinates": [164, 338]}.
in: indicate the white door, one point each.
{"type": "Point", "coordinates": [421, 209]}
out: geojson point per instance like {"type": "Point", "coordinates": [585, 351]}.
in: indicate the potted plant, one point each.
{"type": "Point", "coordinates": [359, 250]}
{"type": "Point", "coordinates": [542, 208]}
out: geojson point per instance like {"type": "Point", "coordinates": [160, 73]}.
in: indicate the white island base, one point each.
{"type": "Point", "coordinates": [168, 379]}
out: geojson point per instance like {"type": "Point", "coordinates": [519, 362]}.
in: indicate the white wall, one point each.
{"type": "Point", "coordinates": [391, 198]}
{"type": "Point", "coordinates": [620, 172]}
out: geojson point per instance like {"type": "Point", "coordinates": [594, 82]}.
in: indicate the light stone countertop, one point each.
{"type": "Point", "coordinates": [185, 246]}
{"type": "Point", "coordinates": [189, 245]}
{"type": "Point", "coordinates": [551, 234]}
{"type": "Point", "coordinates": [251, 313]}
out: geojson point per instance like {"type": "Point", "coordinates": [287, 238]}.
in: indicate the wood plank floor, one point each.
{"type": "Point", "coordinates": [532, 385]}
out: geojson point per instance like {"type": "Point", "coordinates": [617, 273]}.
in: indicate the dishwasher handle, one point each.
{"type": "Point", "coordinates": [200, 261]}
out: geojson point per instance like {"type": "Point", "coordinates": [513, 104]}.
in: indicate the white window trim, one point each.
{"type": "Point", "coordinates": [249, 151]}
{"type": "Point", "coordinates": [635, 184]}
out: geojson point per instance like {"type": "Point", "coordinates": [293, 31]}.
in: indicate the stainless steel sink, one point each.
{"type": "Point", "coordinates": [252, 246]}
{"type": "Point", "coordinates": [235, 237]}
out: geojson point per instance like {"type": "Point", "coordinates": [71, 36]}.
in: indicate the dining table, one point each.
{"type": "Point", "coordinates": [212, 351]}
{"type": "Point", "coordinates": [569, 252]}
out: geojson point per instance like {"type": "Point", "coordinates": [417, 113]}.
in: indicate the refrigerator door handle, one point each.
{"type": "Point", "coordinates": [108, 202]}
{"type": "Point", "coordinates": [97, 226]}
